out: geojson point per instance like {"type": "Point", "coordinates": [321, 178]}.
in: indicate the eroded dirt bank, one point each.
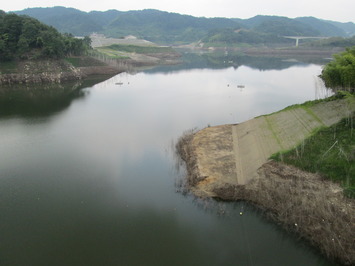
{"type": "Point", "coordinates": [303, 203]}
{"type": "Point", "coordinates": [231, 162]}
{"type": "Point", "coordinates": [52, 71]}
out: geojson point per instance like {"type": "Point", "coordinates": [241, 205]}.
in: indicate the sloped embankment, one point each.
{"type": "Point", "coordinates": [52, 71]}
{"type": "Point", "coordinates": [232, 154]}
{"type": "Point", "coordinates": [231, 162]}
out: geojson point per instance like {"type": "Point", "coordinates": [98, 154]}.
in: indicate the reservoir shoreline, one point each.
{"type": "Point", "coordinates": [52, 71]}
{"type": "Point", "coordinates": [62, 70]}
{"type": "Point", "coordinates": [231, 162]}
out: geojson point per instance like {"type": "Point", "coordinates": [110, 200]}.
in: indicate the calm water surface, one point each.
{"type": "Point", "coordinates": [90, 179]}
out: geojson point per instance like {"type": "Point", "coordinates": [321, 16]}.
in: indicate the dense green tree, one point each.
{"type": "Point", "coordinates": [339, 74]}
{"type": "Point", "coordinates": [22, 37]}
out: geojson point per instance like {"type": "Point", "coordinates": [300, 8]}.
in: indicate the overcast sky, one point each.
{"type": "Point", "coordinates": [339, 10]}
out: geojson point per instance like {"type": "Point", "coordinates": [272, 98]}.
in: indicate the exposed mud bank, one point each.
{"type": "Point", "coordinates": [299, 201]}
{"type": "Point", "coordinates": [303, 203]}
{"type": "Point", "coordinates": [230, 162]}
{"type": "Point", "coordinates": [136, 60]}
{"type": "Point", "coordinates": [52, 71]}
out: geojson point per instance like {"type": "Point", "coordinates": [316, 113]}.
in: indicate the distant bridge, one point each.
{"type": "Point", "coordinates": [297, 38]}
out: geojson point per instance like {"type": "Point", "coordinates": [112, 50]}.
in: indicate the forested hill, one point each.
{"type": "Point", "coordinates": [159, 26]}
{"type": "Point", "coordinates": [70, 20]}
{"type": "Point", "coordinates": [172, 28]}
{"type": "Point", "coordinates": [153, 25]}
{"type": "Point", "coordinates": [23, 37]}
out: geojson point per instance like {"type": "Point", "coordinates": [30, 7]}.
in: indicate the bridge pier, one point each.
{"type": "Point", "coordinates": [298, 38]}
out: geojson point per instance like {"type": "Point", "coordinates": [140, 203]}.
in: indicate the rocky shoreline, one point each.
{"type": "Point", "coordinates": [52, 71]}
{"type": "Point", "coordinates": [299, 201]}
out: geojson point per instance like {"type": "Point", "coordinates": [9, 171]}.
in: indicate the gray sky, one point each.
{"type": "Point", "coordinates": [340, 10]}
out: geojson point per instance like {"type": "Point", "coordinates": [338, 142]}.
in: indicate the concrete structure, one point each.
{"type": "Point", "coordinates": [297, 38]}
{"type": "Point", "coordinates": [232, 154]}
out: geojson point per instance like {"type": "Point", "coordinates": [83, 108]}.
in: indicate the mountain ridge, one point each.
{"type": "Point", "coordinates": [174, 28]}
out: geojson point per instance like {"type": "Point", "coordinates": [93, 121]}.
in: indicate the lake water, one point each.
{"type": "Point", "coordinates": [87, 177]}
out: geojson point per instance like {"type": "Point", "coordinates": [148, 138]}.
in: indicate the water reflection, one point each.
{"type": "Point", "coordinates": [221, 60]}
{"type": "Point", "coordinates": [41, 100]}
{"type": "Point", "coordinates": [95, 184]}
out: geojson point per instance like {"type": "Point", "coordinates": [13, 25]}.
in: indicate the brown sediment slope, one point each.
{"type": "Point", "coordinates": [232, 154]}
{"type": "Point", "coordinates": [54, 71]}
{"type": "Point", "coordinates": [231, 162]}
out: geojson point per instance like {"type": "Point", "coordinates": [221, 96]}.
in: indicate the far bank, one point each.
{"type": "Point", "coordinates": [53, 71]}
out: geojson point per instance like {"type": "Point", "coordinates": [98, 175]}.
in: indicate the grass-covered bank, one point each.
{"type": "Point", "coordinates": [330, 152]}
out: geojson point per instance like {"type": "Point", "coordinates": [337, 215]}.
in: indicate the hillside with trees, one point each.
{"type": "Point", "coordinates": [282, 26]}
{"type": "Point", "coordinates": [172, 28]}
{"type": "Point", "coordinates": [164, 27]}
{"type": "Point", "coordinates": [323, 27]}
{"type": "Point", "coordinates": [67, 20]}
{"type": "Point", "coordinates": [332, 42]}
{"type": "Point", "coordinates": [23, 37]}
{"type": "Point", "coordinates": [348, 27]}
{"type": "Point", "coordinates": [242, 37]}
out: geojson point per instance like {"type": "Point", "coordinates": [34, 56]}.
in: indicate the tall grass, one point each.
{"type": "Point", "coordinates": [330, 152]}
{"type": "Point", "coordinates": [306, 204]}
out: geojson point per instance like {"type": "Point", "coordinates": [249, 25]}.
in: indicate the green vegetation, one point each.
{"type": "Point", "coordinates": [122, 51]}
{"type": "Point", "coordinates": [110, 53]}
{"type": "Point", "coordinates": [69, 20]}
{"type": "Point", "coordinates": [332, 42]}
{"type": "Point", "coordinates": [22, 37]}
{"type": "Point", "coordinates": [241, 37]}
{"type": "Point", "coordinates": [286, 27]}
{"type": "Point", "coordinates": [308, 104]}
{"type": "Point", "coordinates": [171, 28]}
{"type": "Point", "coordinates": [340, 73]}
{"type": "Point", "coordinates": [326, 28]}
{"type": "Point", "coordinates": [330, 151]}
{"type": "Point", "coordinates": [348, 27]}
{"type": "Point", "coordinates": [164, 27]}
{"type": "Point", "coordinates": [140, 49]}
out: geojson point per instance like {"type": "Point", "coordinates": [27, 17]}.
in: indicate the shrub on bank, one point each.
{"type": "Point", "coordinates": [339, 74]}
